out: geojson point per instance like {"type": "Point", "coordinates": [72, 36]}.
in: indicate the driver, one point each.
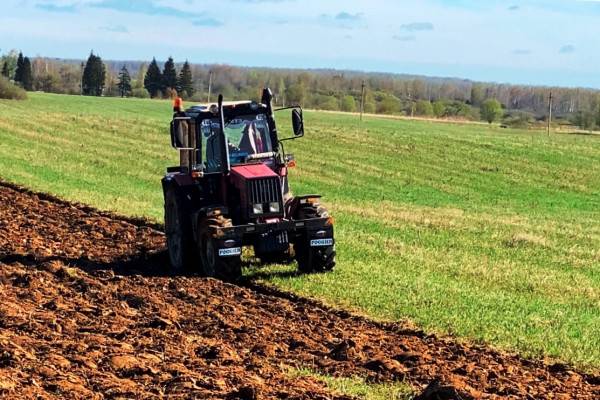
{"type": "Point", "coordinates": [251, 141]}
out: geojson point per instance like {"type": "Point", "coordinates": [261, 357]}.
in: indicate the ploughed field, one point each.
{"type": "Point", "coordinates": [87, 312]}
{"type": "Point", "coordinates": [488, 235]}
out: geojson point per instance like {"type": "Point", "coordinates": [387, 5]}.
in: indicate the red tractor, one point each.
{"type": "Point", "coordinates": [231, 190]}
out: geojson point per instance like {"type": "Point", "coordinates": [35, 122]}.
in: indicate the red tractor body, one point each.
{"type": "Point", "coordinates": [231, 190]}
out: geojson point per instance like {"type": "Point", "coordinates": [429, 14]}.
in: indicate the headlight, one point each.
{"type": "Point", "coordinates": [274, 207]}
{"type": "Point", "coordinates": [257, 208]}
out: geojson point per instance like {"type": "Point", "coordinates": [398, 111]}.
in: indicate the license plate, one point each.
{"type": "Point", "coordinates": [321, 242]}
{"type": "Point", "coordinates": [234, 251]}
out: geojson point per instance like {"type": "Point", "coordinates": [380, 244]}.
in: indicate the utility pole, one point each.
{"type": "Point", "coordinates": [549, 112]}
{"type": "Point", "coordinates": [362, 100]}
{"type": "Point", "coordinates": [209, 85]}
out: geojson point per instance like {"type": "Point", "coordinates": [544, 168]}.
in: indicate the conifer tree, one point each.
{"type": "Point", "coordinates": [169, 76]}
{"type": "Point", "coordinates": [153, 81]}
{"type": "Point", "coordinates": [19, 71]}
{"type": "Point", "coordinates": [124, 84]}
{"type": "Point", "coordinates": [94, 76]}
{"type": "Point", "coordinates": [185, 84]}
{"type": "Point", "coordinates": [27, 75]}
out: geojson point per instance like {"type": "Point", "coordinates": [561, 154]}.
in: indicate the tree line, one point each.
{"type": "Point", "coordinates": [319, 89]}
{"type": "Point", "coordinates": [19, 71]}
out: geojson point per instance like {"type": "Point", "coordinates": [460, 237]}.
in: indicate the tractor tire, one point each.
{"type": "Point", "coordinates": [182, 252]}
{"type": "Point", "coordinates": [313, 259]}
{"type": "Point", "coordinates": [225, 268]}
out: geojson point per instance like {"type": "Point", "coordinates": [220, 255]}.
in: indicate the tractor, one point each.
{"type": "Point", "coordinates": [230, 191]}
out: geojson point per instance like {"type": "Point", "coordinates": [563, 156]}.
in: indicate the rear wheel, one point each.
{"type": "Point", "coordinates": [181, 247]}
{"type": "Point", "coordinates": [227, 268]}
{"type": "Point", "coordinates": [313, 259]}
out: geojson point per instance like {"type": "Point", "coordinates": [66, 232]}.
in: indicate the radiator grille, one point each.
{"type": "Point", "coordinates": [264, 191]}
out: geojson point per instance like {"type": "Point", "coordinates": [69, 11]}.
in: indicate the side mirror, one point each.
{"type": "Point", "coordinates": [297, 122]}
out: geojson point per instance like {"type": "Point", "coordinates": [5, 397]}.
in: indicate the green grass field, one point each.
{"type": "Point", "coordinates": [487, 234]}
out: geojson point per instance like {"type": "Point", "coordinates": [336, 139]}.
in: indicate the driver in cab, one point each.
{"type": "Point", "coordinates": [252, 141]}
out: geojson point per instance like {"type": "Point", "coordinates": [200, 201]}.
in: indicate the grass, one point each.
{"type": "Point", "coordinates": [488, 234]}
{"type": "Point", "coordinates": [358, 387]}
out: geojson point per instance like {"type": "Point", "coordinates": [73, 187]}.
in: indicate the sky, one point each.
{"type": "Point", "coordinates": [553, 42]}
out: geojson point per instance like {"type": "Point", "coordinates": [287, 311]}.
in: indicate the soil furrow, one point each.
{"type": "Point", "coordinates": [88, 312]}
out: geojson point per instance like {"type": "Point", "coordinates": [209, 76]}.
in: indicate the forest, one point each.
{"type": "Point", "coordinates": [335, 90]}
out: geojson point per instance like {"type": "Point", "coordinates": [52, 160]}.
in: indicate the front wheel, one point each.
{"type": "Point", "coordinates": [214, 265]}
{"type": "Point", "coordinates": [313, 258]}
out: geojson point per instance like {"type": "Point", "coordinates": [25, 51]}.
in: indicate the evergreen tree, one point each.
{"type": "Point", "coordinates": [94, 76]}
{"type": "Point", "coordinates": [27, 75]}
{"type": "Point", "coordinates": [185, 83]}
{"type": "Point", "coordinates": [124, 84]}
{"type": "Point", "coordinates": [5, 70]}
{"type": "Point", "coordinates": [153, 81]}
{"type": "Point", "coordinates": [19, 71]}
{"type": "Point", "coordinates": [169, 76]}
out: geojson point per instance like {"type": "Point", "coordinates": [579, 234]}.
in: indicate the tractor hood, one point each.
{"type": "Point", "coordinates": [259, 190]}
{"type": "Point", "coordinates": [252, 171]}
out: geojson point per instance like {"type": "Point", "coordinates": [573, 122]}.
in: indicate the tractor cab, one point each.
{"type": "Point", "coordinates": [231, 190]}
{"type": "Point", "coordinates": [248, 139]}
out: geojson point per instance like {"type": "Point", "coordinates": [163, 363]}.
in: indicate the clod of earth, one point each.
{"type": "Point", "coordinates": [87, 313]}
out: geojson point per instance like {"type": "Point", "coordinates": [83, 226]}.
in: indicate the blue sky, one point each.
{"type": "Point", "coordinates": [552, 42]}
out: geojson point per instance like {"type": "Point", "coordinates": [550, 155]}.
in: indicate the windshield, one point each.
{"type": "Point", "coordinates": [246, 135]}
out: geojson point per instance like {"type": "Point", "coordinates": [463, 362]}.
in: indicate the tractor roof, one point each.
{"type": "Point", "coordinates": [207, 106]}
{"type": "Point", "coordinates": [231, 109]}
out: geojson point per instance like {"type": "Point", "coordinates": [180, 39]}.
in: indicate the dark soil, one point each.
{"type": "Point", "coordinates": [87, 312]}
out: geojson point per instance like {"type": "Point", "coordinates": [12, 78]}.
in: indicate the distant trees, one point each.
{"type": "Point", "coordinates": [424, 108]}
{"type": "Point", "coordinates": [439, 109]}
{"type": "Point", "coordinates": [137, 84]}
{"type": "Point", "coordinates": [57, 77]}
{"type": "Point", "coordinates": [587, 119]}
{"type": "Point", "coordinates": [348, 103]}
{"type": "Point", "coordinates": [323, 89]}
{"type": "Point", "coordinates": [94, 76]}
{"type": "Point", "coordinates": [124, 83]}
{"type": "Point", "coordinates": [323, 102]}
{"type": "Point", "coordinates": [27, 75]}
{"type": "Point", "coordinates": [477, 95]}
{"type": "Point", "coordinates": [491, 110]}
{"type": "Point", "coordinates": [388, 104]}
{"type": "Point", "coordinates": [169, 76]}
{"type": "Point", "coordinates": [19, 69]}
{"type": "Point", "coordinates": [5, 70]}
{"type": "Point", "coordinates": [280, 91]}
{"type": "Point", "coordinates": [153, 81]}
{"type": "Point", "coordinates": [9, 64]}
{"type": "Point", "coordinates": [518, 119]}
{"type": "Point", "coordinates": [23, 73]}
{"type": "Point", "coordinates": [185, 83]}
{"type": "Point", "coordinates": [296, 94]}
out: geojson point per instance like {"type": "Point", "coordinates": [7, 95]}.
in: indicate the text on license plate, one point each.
{"type": "Point", "coordinates": [234, 251]}
{"type": "Point", "coordinates": [321, 242]}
